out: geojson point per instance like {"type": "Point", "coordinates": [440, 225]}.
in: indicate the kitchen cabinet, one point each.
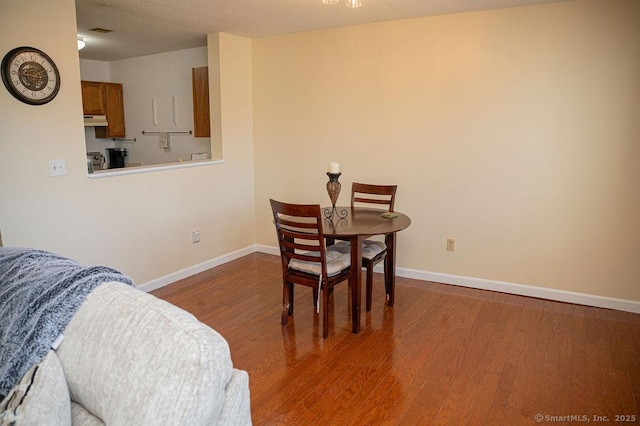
{"type": "Point", "coordinates": [93, 98]}
{"type": "Point", "coordinates": [102, 98]}
{"type": "Point", "coordinates": [114, 103]}
{"type": "Point", "coordinates": [200, 84]}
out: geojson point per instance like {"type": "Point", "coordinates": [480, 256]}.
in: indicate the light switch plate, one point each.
{"type": "Point", "coordinates": [57, 168]}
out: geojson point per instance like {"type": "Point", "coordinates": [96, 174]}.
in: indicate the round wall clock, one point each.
{"type": "Point", "coordinates": [30, 75]}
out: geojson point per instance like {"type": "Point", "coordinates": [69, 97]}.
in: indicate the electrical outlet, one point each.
{"type": "Point", "coordinates": [57, 168]}
{"type": "Point", "coordinates": [451, 244]}
{"type": "Point", "coordinates": [195, 237]}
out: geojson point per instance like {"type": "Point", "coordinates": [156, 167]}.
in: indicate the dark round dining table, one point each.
{"type": "Point", "coordinates": [355, 224]}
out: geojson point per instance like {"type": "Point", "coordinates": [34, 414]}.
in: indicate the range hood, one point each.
{"type": "Point", "coordinates": [95, 120]}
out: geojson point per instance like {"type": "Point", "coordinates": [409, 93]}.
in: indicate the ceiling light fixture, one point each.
{"type": "Point", "coordinates": [80, 42]}
{"type": "Point", "coordinates": [350, 3]}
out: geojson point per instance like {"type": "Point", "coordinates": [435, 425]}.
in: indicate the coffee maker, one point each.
{"type": "Point", "coordinates": [116, 157]}
{"type": "Point", "coordinates": [97, 160]}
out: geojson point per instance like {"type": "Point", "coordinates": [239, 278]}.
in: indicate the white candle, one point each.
{"type": "Point", "coordinates": [334, 168]}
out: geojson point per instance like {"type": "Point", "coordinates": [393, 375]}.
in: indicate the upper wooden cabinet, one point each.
{"type": "Point", "coordinates": [200, 83]}
{"type": "Point", "coordinates": [93, 98]}
{"type": "Point", "coordinates": [114, 102]}
{"type": "Point", "coordinates": [100, 98]}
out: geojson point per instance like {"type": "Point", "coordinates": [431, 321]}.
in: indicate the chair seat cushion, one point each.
{"type": "Point", "coordinates": [336, 263]}
{"type": "Point", "coordinates": [370, 248]}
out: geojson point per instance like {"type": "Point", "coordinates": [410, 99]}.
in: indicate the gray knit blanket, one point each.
{"type": "Point", "coordinates": [39, 294]}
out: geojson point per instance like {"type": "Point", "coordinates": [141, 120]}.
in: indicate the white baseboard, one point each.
{"type": "Point", "coordinates": [459, 280]}
{"type": "Point", "coordinates": [521, 290]}
{"type": "Point", "coordinates": [261, 248]}
{"type": "Point", "coordinates": [195, 269]}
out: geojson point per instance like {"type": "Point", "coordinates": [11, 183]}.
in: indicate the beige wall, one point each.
{"type": "Point", "coordinates": [140, 223]}
{"type": "Point", "coordinates": [514, 131]}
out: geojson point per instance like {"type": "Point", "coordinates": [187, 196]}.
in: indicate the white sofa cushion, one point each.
{"type": "Point", "coordinates": [133, 359]}
{"type": "Point", "coordinates": [237, 410]}
{"type": "Point", "coordinates": [80, 416]}
{"type": "Point", "coordinates": [40, 398]}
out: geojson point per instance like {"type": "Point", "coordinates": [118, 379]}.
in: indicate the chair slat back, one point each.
{"type": "Point", "coordinates": [373, 194]}
{"type": "Point", "coordinates": [299, 231]}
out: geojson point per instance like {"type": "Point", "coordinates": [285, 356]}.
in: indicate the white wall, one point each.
{"type": "Point", "coordinates": [161, 76]}
{"type": "Point", "coordinates": [514, 131]}
{"type": "Point", "coordinates": [140, 223]}
{"type": "Point", "coordinates": [96, 71]}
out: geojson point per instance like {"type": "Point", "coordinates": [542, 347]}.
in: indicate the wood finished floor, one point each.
{"type": "Point", "coordinates": [441, 355]}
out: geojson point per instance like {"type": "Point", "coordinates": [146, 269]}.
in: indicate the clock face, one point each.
{"type": "Point", "coordinates": [30, 75]}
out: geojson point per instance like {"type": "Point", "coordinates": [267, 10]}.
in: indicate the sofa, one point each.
{"type": "Point", "coordinates": [129, 358]}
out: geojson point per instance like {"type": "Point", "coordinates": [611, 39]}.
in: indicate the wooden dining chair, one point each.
{"type": "Point", "coordinates": [305, 259]}
{"type": "Point", "coordinates": [373, 251]}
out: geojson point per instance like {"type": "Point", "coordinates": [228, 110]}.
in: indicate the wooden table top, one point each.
{"type": "Point", "coordinates": [352, 221]}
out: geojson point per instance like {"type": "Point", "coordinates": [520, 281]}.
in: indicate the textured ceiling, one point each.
{"type": "Point", "coordinates": [143, 27]}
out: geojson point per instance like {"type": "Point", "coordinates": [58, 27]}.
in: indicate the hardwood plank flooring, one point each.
{"type": "Point", "coordinates": [441, 355]}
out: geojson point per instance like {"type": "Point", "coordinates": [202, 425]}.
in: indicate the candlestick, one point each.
{"type": "Point", "coordinates": [333, 187]}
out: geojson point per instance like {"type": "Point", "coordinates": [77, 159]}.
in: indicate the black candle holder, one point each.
{"type": "Point", "coordinates": [333, 189]}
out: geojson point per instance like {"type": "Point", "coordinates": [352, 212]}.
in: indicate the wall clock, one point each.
{"type": "Point", "coordinates": [30, 75]}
